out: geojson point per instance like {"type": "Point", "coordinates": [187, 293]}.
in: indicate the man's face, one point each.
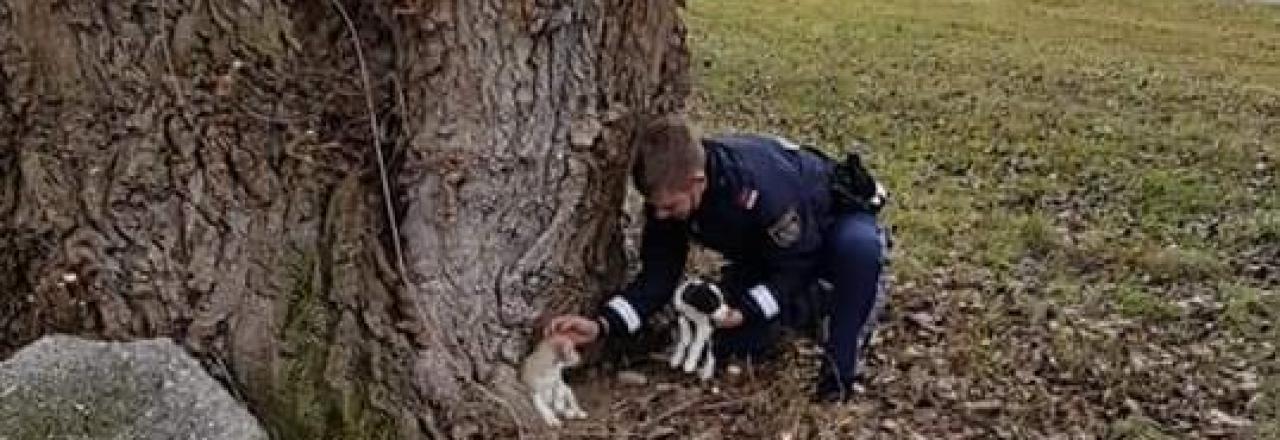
{"type": "Point", "coordinates": [680, 202]}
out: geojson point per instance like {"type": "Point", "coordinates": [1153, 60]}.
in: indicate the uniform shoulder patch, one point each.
{"type": "Point", "coordinates": [786, 230]}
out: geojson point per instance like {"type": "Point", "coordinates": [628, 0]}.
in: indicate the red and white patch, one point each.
{"type": "Point", "coordinates": [747, 198]}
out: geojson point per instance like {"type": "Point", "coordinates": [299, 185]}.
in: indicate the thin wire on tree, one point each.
{"type": "Point", "coordinates": [386, 197]}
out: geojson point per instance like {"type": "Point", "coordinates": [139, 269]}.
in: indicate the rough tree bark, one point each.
{"type": "Point", "coordinates": [206, 170]}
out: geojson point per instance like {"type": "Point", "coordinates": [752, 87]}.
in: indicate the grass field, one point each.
{"type": "Point", "coordinates": [1086, 203]}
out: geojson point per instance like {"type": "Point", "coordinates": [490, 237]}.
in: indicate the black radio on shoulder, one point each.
{"type": "Point", "coordinates": [854, 189]}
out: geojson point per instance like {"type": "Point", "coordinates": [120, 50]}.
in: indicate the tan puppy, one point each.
{"type": "Point", "coordinates": [543, 373]}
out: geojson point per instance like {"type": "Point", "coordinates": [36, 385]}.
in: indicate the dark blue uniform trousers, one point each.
{"type": "Point", "coordinates": [853, 255]}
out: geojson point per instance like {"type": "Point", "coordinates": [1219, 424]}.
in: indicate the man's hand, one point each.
{"type": "Point", "coordinates": [579, 329]}
{"type": "Point", "coordinates": [732, 319]}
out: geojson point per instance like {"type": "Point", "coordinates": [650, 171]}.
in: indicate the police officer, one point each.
{"type": "Point", "coordinates": [784, 217]}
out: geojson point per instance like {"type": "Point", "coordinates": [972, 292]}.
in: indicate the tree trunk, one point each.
{"type": "Point", "coordinates": [207, 170]}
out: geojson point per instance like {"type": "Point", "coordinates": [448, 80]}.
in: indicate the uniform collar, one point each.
{"type": "Point", "coordinates": [716, 167]}
{"type": "Point", "coordinates": [720, 183]}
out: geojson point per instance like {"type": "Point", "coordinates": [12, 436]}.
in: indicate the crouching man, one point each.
{"type": "Point", "coordinates": [788, 219]}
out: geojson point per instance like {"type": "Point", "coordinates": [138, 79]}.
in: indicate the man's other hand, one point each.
{"type": "Point", "coordinates": [732, 319]}
{"type": "Point", "coordinates": [580, 330]}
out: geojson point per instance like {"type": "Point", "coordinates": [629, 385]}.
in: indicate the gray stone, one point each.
{"type": "Point", "coordinates": [69, 388]}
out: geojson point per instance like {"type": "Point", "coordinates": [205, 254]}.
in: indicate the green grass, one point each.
{"type": "Point", "coordinates": [1102, 156]}
{"type": "Point", "coordinates": [1137, 302]}
{"type": "Point", "coordinates": [1248, 310]}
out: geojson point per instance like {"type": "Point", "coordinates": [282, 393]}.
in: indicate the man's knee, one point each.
{"type": "Point", "coordinates": [858, 244]}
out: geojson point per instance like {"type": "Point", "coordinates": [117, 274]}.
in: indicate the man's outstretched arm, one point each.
{"type": "Point", "coordinates": [663, 250]}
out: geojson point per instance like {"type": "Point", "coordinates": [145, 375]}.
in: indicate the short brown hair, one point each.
{"type": "Point", "coordinates": [669, 151]}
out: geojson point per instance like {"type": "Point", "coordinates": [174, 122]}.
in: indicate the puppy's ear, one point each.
{"type": "Point", "coordinates": [562, 345]}
{"type": "Point", "coordinates": [715, 289]}
{"type": "Point", "coordinates": [566, 351]}
{"type": "Point", "coordinates": [542, 325]}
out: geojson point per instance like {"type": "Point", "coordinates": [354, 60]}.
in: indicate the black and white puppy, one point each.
{"type": "Point", "coordinates": [698, 306]}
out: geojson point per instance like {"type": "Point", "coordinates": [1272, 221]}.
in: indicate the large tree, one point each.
{"type": "Point", "coordinates": [350, 210]}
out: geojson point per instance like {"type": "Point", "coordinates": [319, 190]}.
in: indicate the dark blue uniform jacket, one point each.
{"type": "Point", "coordinates": [766, 207]}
